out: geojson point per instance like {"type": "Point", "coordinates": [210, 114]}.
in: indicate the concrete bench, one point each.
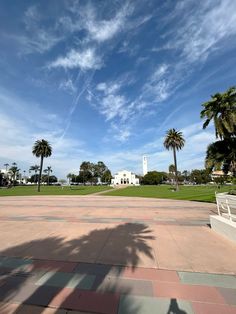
{"type": "Point", "coordinates": [226, 206]}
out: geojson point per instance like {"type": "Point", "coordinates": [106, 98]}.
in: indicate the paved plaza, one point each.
{"type": "Point", "coordinates": [113, 255]}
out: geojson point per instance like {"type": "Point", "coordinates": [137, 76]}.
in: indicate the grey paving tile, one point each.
{"type": "Point", "coordinates": [14, 262]}
{"type": "Point", "coordinates": [229, 295]}
{"type": "Point", "coordinates": [98, 269]}
{"type": "Point", "coordinates": [69, 280]}
{"type": "Point", "coordinates": [214, 280]}
{"type": "Point", "coordinates": [31, 294]}
{"type": "Point", "coordinates": [148, 305]}
{"type": "Point", "coordinates": [126, 286]}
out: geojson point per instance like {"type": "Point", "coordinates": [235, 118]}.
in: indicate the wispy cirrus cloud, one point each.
{"type": "Point", "coordinates": [36, 38]}
{"type": "Point", "coordinates": [68, 86]}
{"type": "Point", "coordinates": [86, 59]}
{"type": "Point", "coordinates": [205, 30]}
{"type": "Point", "coordinates": [102, 30]}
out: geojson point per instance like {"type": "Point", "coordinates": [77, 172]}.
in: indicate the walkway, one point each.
{"type": "Point", "coordinates": [99, 254]}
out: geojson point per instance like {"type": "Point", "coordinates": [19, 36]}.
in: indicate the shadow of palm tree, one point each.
{"type": "Point", "coordinates": [97, 261]}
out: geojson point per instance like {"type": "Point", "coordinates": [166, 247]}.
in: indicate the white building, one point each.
{"type": "Point", "coordinates": [125, 178]}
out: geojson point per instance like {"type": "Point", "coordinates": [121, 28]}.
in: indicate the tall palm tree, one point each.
{"type": "Point", "coordinates": [35, 168]}
{"type": "Point", "coordinates": [221, 109]}
{"type": "Point", "coordinates": [6, 166]}
{"type": "Point", "coordinates": [48, 170]}
{"type": "Point", "coordinates": [41, 149]}
{"type": "Point", "coordinates": [174, 140]}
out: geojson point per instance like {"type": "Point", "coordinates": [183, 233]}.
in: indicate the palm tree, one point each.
{"type": "Point", "coordinates": [174, 140]}
{"type": "Point", "coordinates": [14, 171]}
{"type": "Point", "coordinates": [221, 109]}
{"type": "Point", "coordinates": [222, 154]}
{"type": "Point", "coordinates": [171, 168]}
{"type": "Point", "coordinates": [34, 168]}
{"type": "Point", "coordinates": [41, 149]}
{"type": "Point", "coordinates": [6, 166]}
{"type": "Point", "coordinates": [171, 173]}
{"type": "Point", "coordinates": [48, 170]}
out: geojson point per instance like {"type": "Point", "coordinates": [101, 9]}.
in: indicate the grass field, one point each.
{"type": "Point", "coordinates": [192, 193]}
{"type": "Point", "coordinates": [52, 190]}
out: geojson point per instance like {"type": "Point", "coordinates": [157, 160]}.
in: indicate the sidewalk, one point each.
{"type": "Point", "coordinates": [32, 285]}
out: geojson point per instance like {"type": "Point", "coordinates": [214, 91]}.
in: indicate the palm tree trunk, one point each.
{"type": "Point", "coordinates": [176, 170]}
{"type": "Point", "coordinates": [48, 176]}
{"type": "Point", "coordinates": [40, 173]}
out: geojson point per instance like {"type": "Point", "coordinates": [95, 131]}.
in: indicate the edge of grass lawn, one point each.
{"type": "Point", "coordinates": [198, 193]}
{"type": "Point", "coordinates": [52, 190]}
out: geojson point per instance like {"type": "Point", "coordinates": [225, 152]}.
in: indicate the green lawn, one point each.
{"type": "Point", "coordinates": [52, 190]}
{"type": "Point", "coordinates": [192, 193]}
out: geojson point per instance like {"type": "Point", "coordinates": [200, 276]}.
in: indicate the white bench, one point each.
{"type": "Point", "coordinates": [226, 205]}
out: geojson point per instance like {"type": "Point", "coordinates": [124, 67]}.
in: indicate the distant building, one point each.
{"type": "Point", "coordinates": [125, 178]}
{"type": "Point", "coordinates": [145, 165]}
{"type": "Point", "coordinates": [219, 173]}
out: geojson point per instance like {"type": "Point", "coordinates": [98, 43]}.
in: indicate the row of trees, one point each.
{"type": "Point", "coordinates": [92, 173]}
{"type": "Point", "coordinates": [14, 175]}
{"type": "Point", "coordinates": [47, 177]}
{"type": "Point", "coordinates": [196, 176]}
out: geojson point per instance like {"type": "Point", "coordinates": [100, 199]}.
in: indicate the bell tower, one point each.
{"type": "Point", "coordinates": [145, 166]}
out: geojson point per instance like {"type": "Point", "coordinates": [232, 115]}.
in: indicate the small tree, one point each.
{"type": "Point", "coordinates": [48, 170]}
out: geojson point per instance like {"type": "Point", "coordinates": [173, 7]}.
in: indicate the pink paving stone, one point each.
{"type": "Point", "coordinates": [61, 298]}
{"type": "Point", "coordinates": [151, 274]}
{"type": "Point", "coordinates": [187, 292]}
{"type": "Point", "coordinates": [208, 308]}
{"type": "Point", "coordinates": [88, 301]}
{"type": "Point", "coordinates": [54, 265]}
{"type": "Point", "coordinates": [183, 248]}
{"type": "Point", "coordinates": [32, 309]}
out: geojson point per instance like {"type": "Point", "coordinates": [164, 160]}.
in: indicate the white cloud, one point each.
{"type": "Point", "coordinates": [104, 29]}
{"type": "Point", "coordinates": [36, 37]}
{"type": "Point", "coordinates": [16, 146]}
{"type": "Point", "coordinates": [159, 84]}
{"type": "Point", "coordinates": [85, 60]}
{"type": "Point", "coordinates": [203, 27]}
{"type": "Point", "coordinates": [68, 86]}
{"type": "Point", "coordinates": [121, 132]}
{"type": "Point", "coordinates": [85, 17]}
{"type": "Point", "coordinates": [114, 106]}
{"type": "Point", "coordinates": [160, 72]}
{"type": "Point", "coordinates": [109, 88]}
{"type": "Point", "coordinates": [40, 41]}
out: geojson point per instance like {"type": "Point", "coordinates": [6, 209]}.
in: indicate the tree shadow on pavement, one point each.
{"type": "Point", "coordinates": [61, 283]}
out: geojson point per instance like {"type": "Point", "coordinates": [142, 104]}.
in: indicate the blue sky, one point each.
{"type": "Point", "coordinates": [104, 80]}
